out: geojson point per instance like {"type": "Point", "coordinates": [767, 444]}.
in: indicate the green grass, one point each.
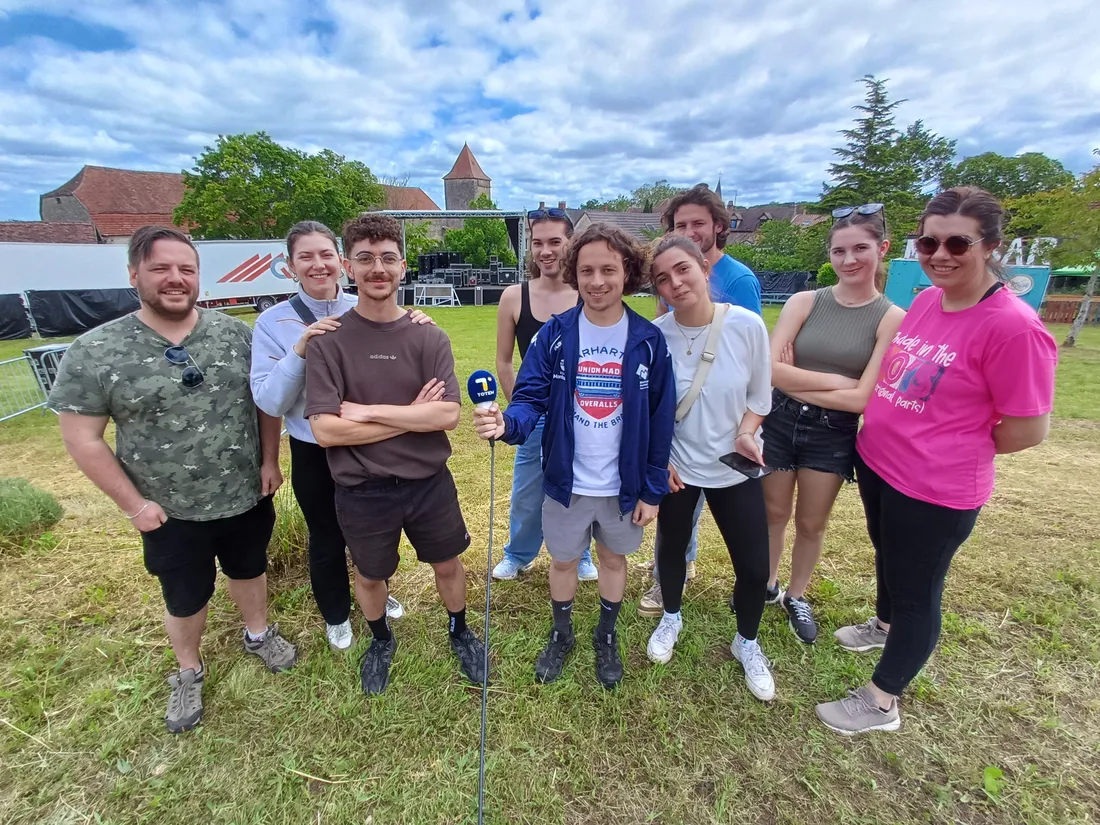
{"type": "Point", "coordinates": [1003, 726]}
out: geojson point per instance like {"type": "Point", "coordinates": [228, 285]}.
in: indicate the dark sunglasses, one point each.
{"type": "Point", "coordinates": [192, 376]}
{"type": "Point", "coordinates": [866, 209]}
{"type": "Point", "coordinates": [545, 214]}
{"type": "Point", "coordinates": [955, 245]}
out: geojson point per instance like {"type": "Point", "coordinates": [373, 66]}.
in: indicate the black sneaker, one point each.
{"type": "Point", "coordinates": [471, 655]}
{"type": "Point", "coordinates": [609, 665]}
{"type": "Point", "coordinates": [800, 618]}
{"type": "Point", "coordinates": [374, 672]}
{"type": "Point", "coordinates": [774, 595]}
{"type": "Point", "coordinates": [552, 659]}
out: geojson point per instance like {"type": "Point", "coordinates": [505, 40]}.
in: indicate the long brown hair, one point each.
{"type": "Point", "coordinates": [700, 195]}
{"type": "Point", "coordinates": [875, 226]}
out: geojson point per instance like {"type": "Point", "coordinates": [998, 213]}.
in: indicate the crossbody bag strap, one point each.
{"type": "Point", "coordinates": [303, 311]}
{"type": "Point", "coordinates": [707, 358]}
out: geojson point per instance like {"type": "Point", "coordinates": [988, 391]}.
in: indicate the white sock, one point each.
{"type": "Point", "coordinates": [251, 638]}
{"type": "Point", "coordinates": [741, 640]}
{"type": "Point", "coordinates": [674, 616]}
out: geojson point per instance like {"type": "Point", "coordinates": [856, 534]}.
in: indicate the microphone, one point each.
{"type": "Point", "coordinates": [482, 388]}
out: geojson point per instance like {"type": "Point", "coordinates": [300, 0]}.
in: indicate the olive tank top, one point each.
{"type": "Point", "coordinates": [838, 339]}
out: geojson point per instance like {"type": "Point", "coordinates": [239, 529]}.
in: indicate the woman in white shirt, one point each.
{"type": "Point", "coordinates": [724, 418]}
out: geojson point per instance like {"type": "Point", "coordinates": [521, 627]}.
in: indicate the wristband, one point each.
{"type": "Point", "coordinates": [746, 432]}
{"type": "Point", "coordinates": [139, 512]}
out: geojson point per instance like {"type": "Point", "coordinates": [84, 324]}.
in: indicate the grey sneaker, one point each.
{"type": "Point", "coordinates": [185, 703]}
{"type": "Point", "coordinates": [652, 602]}
{"type": "Point", "coordinates": [861, 637]}
{"type": "Point", "coordinates": [275, 651]}
{"type": "Point", "coordinates": [858, 712]}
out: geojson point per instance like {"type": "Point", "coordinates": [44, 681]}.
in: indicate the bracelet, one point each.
{"type": "Point", "coordinates": [746, 432]}
{"type": "Point", "coordinates": [139, 512]}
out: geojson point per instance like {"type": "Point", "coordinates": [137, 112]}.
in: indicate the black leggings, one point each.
{"type": "Point", "coordinates": [739, 513]}
{"type": "Point", "coordinates": [914, 543]}
{"type": "Point", "coordinates": [328, 565]}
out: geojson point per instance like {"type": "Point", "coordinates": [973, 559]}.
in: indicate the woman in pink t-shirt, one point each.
{"type": "Point", "coordinates": [969, 375]}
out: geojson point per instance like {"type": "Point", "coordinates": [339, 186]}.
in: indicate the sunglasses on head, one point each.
{"type": "Point", "coordinates": [544, 214]}
{"type": "Point", "coordinates": [192, 376]}
{"type": "Point", "coordinates": [955, 245]}
{"type": "Point", "coordinates": [866, 209]}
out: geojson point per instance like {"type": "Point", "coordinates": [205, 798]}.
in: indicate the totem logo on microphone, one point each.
{"type": "Point", "coordinates": [482, 386]}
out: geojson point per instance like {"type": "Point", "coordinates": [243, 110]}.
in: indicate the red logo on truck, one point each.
{"type": "Point", "coordinates": [254, 267]}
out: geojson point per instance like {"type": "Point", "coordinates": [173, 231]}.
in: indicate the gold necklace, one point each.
{"type": "Point", "coordinates": [691, 342]}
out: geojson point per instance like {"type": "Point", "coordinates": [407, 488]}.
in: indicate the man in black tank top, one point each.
{"type": "Point", "coordinates": [522, 311]}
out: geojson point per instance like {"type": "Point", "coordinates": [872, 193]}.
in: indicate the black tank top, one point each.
{"type": "Point", "coordinates": [527, 324]}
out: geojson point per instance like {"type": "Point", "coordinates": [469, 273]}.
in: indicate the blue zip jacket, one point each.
{"type": "Point", "coordinates": [547, 383]}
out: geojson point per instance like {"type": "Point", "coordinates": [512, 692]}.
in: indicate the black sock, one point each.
{"type": "Point", "coordinates": [563, 617]}
{"type": "Point", "coordinates": [458, 622]}
{"type": "Point", "coordinates": [609, 614]}
{"type": "Point", "coordinates": [380, 628]}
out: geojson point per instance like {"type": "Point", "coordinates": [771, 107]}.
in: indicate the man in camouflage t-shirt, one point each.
{"type": "Point", "coordinates": [195, 463]}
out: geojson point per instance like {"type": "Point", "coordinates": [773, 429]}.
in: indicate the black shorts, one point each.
{"type": "Point", "coordinates": [803, 436]}
{"type": "Point", "coordinates": [181, 554]}
{"type": "Point", "coordinates": [373, 514]}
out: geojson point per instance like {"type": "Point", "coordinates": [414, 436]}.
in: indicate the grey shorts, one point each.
{"type": "Point", "coordinates": [569, 531]}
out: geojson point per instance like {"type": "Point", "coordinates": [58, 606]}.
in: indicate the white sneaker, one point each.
{"type": "Point", "coordinates": [663, 641]}
{"type": "Point", "coordinates": [394, 609]}
{"type": "Point", "coordinates": [340, 636]}
{"type": "Point", "coordinates": [508, 569]}
{"type": "Point", "coordinates": [758, 675]}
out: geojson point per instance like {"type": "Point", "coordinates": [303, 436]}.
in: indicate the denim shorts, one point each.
{"type": "Point", "coordinates": [804, 436]}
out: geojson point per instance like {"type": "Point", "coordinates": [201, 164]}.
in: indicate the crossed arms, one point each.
{"type": "Point", "coordinates": [370, 423]}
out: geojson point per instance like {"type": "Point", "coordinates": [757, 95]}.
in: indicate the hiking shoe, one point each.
{"type": "Point", "coordinates": [758, 675]}
{"type": "Point", "coordinates": [690, 574]}
{"type": "Point", "coordinates": [274, 651]}
{"type": "Point", "coordinates": [508, 568]}
{"type": "Point", "coordinates": [609, 665]}
{"type": "Point", "coordinates": [800, 618]}
{"type": "Point", "coordinates": [394, 608]}
{"type": "Point", "coordinates": [858, 712]}
{"type": "Point", "coordinates": [339, 636]}
{"type": "Point", "coordinates": [374, 670]}
{"type": "Point", "coordinates": [774, 594]}
{"type": "Point", "coordinates": [471, 655]}
{"type": "Point", "coordinates": [652, 602]}
{"type": "Point", "coordinates": [663, 641]}
{"type": "Point", "coordinates": [587, 571]}
{"type": "Point", "coordinates": [552, 659]}
{"type": "Point", "coordinates": [185, 703]}
{"type": "Point", "coordinates": [859, 638]}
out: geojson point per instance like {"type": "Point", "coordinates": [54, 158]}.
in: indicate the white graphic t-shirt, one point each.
{"type": "Point", "coordinates": [598, 408]}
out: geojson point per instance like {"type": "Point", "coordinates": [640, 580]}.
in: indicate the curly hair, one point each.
{"type": "Point", "coordinates": [700, 195]}
{"type": "Point", "coordinates": [634, 257]}
{"type": "Point", "coordinates": [372, 227]}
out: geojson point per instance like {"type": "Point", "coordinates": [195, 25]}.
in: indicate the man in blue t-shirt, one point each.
{"type": "Point", "coordinates": [700, 215]}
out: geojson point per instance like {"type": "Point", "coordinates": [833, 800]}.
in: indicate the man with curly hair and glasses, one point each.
{"type": "Point", "coordinates": [195, 462]}
{"type": "Point", "coordinates": [602, 377]}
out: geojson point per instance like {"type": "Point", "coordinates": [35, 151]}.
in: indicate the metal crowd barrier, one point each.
{"type": "Point", "coordinates": [26, 381]}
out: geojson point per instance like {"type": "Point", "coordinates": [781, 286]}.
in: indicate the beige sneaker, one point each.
{"type": "Point", "coordinates": [652, 603]}
{"type": "Point", "coordinates": [690, 570]}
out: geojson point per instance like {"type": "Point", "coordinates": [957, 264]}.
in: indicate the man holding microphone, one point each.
{"type": "Point", "coordinates": [602, 376]}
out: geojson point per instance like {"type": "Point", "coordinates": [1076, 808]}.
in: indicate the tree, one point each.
{"type": "Point", "coordinates": [418, 241]}
{"type": "Point", "coordinates": [880, 164]}
{"type": "Point", "coordinates": [1071, 214]}
{"type": "Point", "coordinates": [646, 197]}
{"type": "Point", "coordinates": [481, 237]}
{"type": "Point", "coordinates": [1007, 178]}
{"type": "Point", "coordinates": [250, 187]}
{"type": "Point", "coordinates": [780, 246]}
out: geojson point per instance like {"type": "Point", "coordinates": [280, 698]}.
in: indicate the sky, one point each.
{"type": "Point", "coordinates": [563, 100]}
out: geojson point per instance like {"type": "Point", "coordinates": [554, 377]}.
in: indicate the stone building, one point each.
{"type": "Point", "coordinates": [465, 181]}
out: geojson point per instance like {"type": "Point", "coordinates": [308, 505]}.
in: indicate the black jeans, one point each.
{"type": "Point", "coordinates": [914, 543]}
{"type": "Point", "coordinates": [328, 565]}
{"type": "Point", "coordinates": [739, 513]}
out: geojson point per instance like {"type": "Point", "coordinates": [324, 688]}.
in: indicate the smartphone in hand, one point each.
{"type": "Point", "coordinates": [745, 466]}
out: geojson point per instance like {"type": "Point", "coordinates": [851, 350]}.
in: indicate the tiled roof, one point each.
{"type": "Point", "coordinates": [122, 200]}
{"type": "Point", "coordinates": [408, 197]}
{"type": "Point", "coordinates": [47, 232]}
{"type": "Point", "coordinates": [114, 224]}
{"type": "Point", "coordinates": [631, 222]}
{"type": "Point", "coordinates": [749, 220]}
{"type": "Point", "coordinates": [466, 167]}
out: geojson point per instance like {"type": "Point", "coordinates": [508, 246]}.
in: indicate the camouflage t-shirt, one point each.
{"type": "Point", "coordinates": [195, 452]}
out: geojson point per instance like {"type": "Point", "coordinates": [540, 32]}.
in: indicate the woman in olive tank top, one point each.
{"type": "Point", "coordinates": [826, 349]}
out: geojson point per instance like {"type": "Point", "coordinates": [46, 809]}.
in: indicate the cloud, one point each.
{"type": "Point", "coordinates": [564, 100]}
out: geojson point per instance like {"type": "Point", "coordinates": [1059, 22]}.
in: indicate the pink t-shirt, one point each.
{"type": "Point", "coordinates": [946, 380]}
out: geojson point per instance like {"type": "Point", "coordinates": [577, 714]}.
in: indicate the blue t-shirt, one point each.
{"type": "Point", "coordinates": [731, 282]}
